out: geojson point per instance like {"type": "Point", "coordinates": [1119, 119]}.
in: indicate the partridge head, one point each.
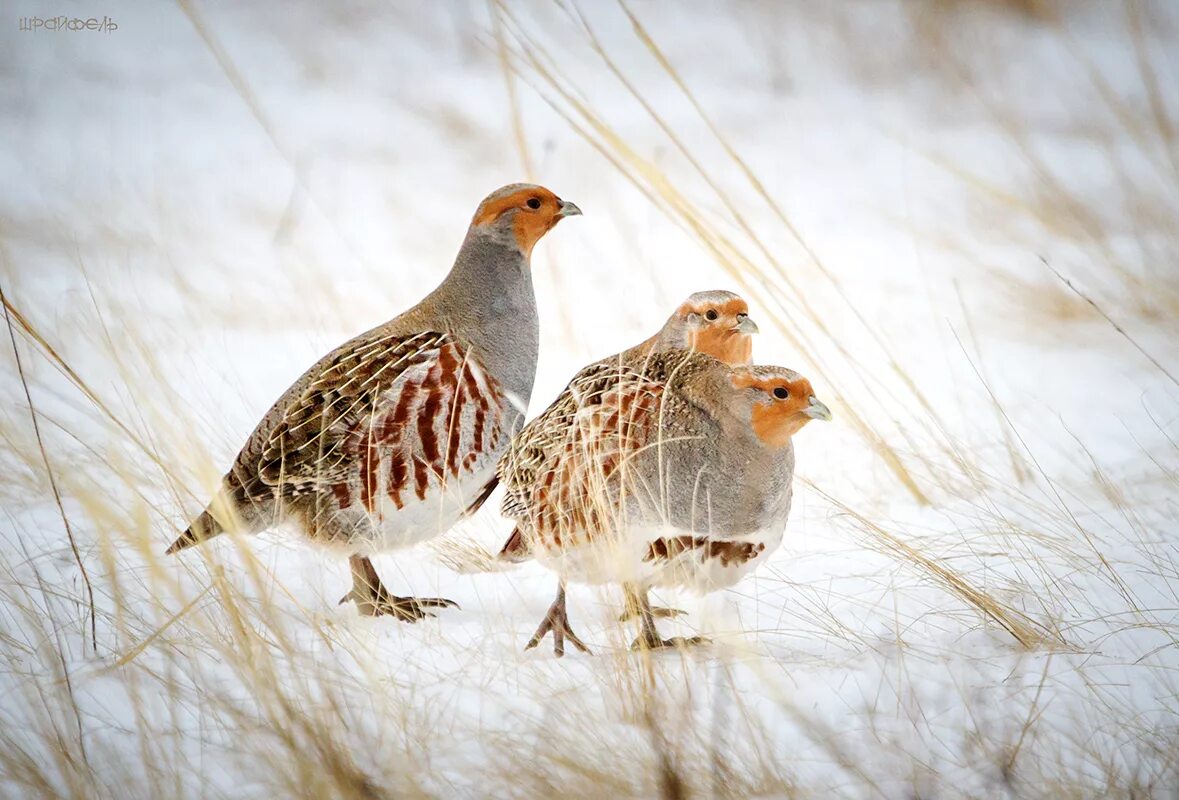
{"type": "Point", "coordinates": [521, 213]}
{"type": "Point", "coordinates": [776, 402]}
{"type": "Point", "coordinates": [715, 322]}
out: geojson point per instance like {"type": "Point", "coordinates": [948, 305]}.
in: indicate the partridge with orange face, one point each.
{"type": "Point", "coordinates": [676, 473]}
{"type": "Point", "coordinates": [392, 437]}
{"type": "Point", "coordinates": [715, 322]}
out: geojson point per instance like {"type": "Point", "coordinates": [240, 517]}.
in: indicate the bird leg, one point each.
{"type": "Point", "coordinates": [373, 599]}
{"type": "Point", "coordinates": [557, 623]}
{"type": "Point", "coordinates": [633, 603]}
{"type": "Point", "coordinates": [649, 638]}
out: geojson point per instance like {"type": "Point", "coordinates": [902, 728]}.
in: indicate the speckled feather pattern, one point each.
{"type": "Point", "coordinates": [646, 452]}
{"type": "Point", "coordinates": [552, 428]}
{"type": "Point", "coordinates": [392, 437]}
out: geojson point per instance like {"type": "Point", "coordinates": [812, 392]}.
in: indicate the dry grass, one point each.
{"type": "Point", "coordinates": [983, 556]}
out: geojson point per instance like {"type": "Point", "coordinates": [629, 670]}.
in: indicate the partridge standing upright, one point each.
{"type": "Point", "coordinates": [677, 473]}
{"type": "Point", "coordinates": [392, 437]}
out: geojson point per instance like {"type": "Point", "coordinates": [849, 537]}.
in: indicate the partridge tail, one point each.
{"type": "Point", "coordinates": [515, 549]}
{"type": "Point", "coordinates": [203, 527]}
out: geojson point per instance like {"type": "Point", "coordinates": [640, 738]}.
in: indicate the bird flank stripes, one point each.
{"type": "Point", "coordinates": [392, 437]}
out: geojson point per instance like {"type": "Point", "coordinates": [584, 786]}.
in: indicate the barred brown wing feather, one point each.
{"type": "Point", "coordinates": [305, 448]}
{"type": "Point", "coordinates": [387, 414]}
{"type": "Point", "coordinates": [531, 449]}
{"type": "Point", "coordinates": [561, 462]}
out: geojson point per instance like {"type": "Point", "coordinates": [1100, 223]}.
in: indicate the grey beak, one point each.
{"type": "Point", "coordinates": [568, 209]}
{"type": "Point", "coordinates": [817, 410]}
{"type": "Point", "coordinates": [746, 326]}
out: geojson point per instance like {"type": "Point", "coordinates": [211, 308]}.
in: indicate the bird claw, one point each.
{"type": "Point", "coordinates": [560, 634]}
{"type": "Point", "coordinates": [556, 622]}
{"type": "Point", "coordinates": [644, 643]}
{"type": "Point", "coordinates": [656, 611]}
{"type": "Point", "coordinates": [405, 609]}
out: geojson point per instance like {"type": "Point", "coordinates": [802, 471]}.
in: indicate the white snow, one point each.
{"type": "Point", "coordinates": [190, 222]}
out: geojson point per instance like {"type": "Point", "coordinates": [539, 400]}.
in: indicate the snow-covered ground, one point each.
{"type": "Point", "coordinates": [199, 203]}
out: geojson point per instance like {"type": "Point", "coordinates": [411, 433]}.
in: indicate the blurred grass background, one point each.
{"type": "Point", "coordinates": [957, 218]}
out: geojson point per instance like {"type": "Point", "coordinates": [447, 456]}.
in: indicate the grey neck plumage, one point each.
{"type": "Point", "coordinates": [488, 301]}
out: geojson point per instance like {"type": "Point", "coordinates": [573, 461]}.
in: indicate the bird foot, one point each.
{"type": "Point", "coordinates": [655, 643]}
{"type": "Point", "coordinates": [556, 622]}
{"type": "Point", "coordinates": [406, 609]}
{"type": "Point", "coordinates": [656, 611]}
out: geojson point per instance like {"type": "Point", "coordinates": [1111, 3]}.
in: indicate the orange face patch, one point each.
{"type": "Point", "coordinates": [719, 337]}
{"type": "Point", "coordinates": [775, 419]}
{"type": "Point", "coordinates": [729, 308]}
{"type": "Point", "coordinates": [723, 344]}
{"type": "Point", "coordinates": [529, 224]}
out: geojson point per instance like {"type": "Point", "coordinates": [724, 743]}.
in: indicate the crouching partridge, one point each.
{"type": "Point", "coordinates": [715, 322]}
{"type": "Point", "coordinates": [392, 437]}
{"type": "Point", "coordinates": [673, 473]}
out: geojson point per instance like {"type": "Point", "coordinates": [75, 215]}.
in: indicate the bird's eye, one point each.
{"type": "Point", "coordinates": [710, 314]}
{"type": "Point", "coordinates": [534, 203]}
{"type": "Point", "coordinates": [781, 393]}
